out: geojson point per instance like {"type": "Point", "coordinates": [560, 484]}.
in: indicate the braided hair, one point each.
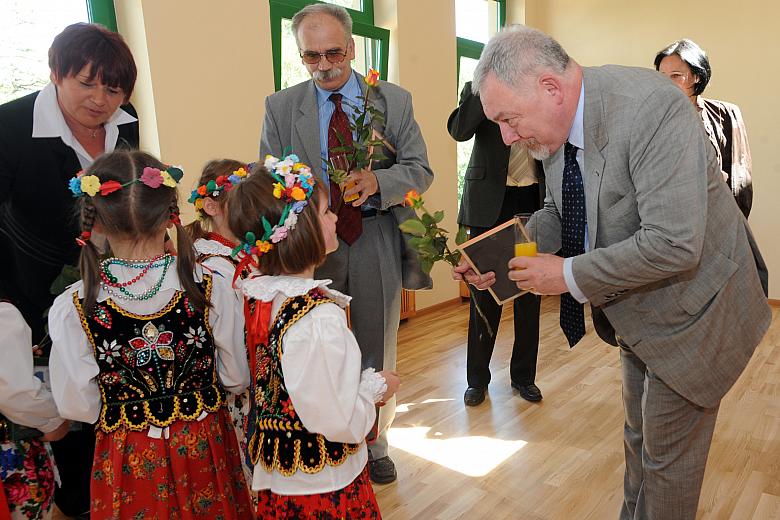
{"type": "Point", "coordinates": [134, 212]}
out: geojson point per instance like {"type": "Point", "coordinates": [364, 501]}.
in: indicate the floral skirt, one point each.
{"type": "Point", "coordinates": [239, 407]}
{"type": "Point", "coordinates": [356, 501]}
{"type": "Point", "coordinates": [27, 472]}
{"type": "Point", "coordinates": [194, 473]}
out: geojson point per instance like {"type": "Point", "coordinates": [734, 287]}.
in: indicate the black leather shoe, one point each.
{"type": "Point", "coordinates": [382, 471]}
{"type": "Point", "coordinates": [474, 396]}
{"type": "Point", "coordinates": [528, 392]}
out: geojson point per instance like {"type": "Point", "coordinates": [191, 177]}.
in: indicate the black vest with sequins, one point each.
{"type": "Point", "coordinates": [279, 440]}
{"type": "Point", "coordinates": [154, 369]}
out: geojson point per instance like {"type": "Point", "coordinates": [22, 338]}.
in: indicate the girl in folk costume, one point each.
{"type": "Point", "coordinates": [214, 244]}
{"type": "Point", "coordinates": [145, 346]}
{"type": "Point", "coordinates": [28, 418]}
{"type": "Point", "coordinates": [312, 406]}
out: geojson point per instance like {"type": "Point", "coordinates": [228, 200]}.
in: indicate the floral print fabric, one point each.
{"type": "Point", "coordinates": [356, 501]}
{"type": "Point", "coordinates": [27, 471]}
{"type": "Point", "coordinates": [193, 473]}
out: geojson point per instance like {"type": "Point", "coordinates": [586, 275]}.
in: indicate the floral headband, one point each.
{"type": "Point", "coordinates": [214, 187]}
{"type": "Point", "coordinates": [90, 185]}
{"type": "Point", "coordinates": [294, 186]}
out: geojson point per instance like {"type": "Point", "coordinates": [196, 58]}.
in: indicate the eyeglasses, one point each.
{"type": "Point", "coordinates": [333, 56]}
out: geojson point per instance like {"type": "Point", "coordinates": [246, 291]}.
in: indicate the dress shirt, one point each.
{"type": "Point", "coordinates": [24, 399]}
{"type": "Point", "coordinates": [577, 138]}
{"type": "Point", "coordinates": [321, 367]}
{"type": "Point", "coordinates": [48, 121]}
{"type": "Point", "coordinates": [72, 364]}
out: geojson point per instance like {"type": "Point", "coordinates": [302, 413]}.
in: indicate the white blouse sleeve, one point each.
{"type": "Point", "coordinates": [72, 364]}
{"type": "Point", "coordinates": [321, 367]}
{"type": "Point", "coordinates": [226, 318]}
{"type": "Point", "coordinates": [23, 397]}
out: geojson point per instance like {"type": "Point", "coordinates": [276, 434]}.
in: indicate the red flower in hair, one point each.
{"type": "Point", "coordinates": [109, 187]}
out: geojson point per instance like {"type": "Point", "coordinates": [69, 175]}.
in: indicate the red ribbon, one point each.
{"type": "Point", "coordinates": [258, 318]}
{"type": "Point", "coordinates": [5, 513]}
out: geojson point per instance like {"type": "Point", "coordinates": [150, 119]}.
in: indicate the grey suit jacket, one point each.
{"type": "Point", "coordinates": [672, 262]}
{"type": "Point", "coordinates": [292, 119]}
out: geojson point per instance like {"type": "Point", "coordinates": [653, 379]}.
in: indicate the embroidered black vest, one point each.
{"type": "Point", "coordinates": [279, 440]}
{"type": "Point", "coordinates": [154, 369]}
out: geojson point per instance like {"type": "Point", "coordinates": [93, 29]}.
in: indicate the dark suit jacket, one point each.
{"type": "Point", "coordinates": [485, 180]}
{"type": "Point", "coordinates": [38, 221]}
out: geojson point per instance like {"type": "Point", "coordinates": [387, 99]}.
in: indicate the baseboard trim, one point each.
{"type": "Point", "coordinates": [774, 303]}
{"type": "Point", "coordinates": [439, 306]}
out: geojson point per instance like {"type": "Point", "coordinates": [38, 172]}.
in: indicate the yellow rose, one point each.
{"type": "Point", "coordinates": [198, 204]}
{"type": "Point", "coordinates": [168, 180]}
{"type": "Point", "coordinates": [278, 188]}
{"type": "Point", "coordinates": [90, 185]}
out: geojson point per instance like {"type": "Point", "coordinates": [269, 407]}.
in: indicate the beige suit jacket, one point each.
{"type": "Point", "coordinates": [671, 260]}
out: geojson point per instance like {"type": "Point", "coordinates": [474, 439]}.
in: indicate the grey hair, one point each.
{"type": "Point", "coordinates": [336, 11]}
{"type": "Point", "coordinates": [518, 53]}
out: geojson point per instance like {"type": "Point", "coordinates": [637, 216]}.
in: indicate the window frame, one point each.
{"type": "Point", "coordinates": [473, 49]}
{"type": "Point", "coordinates": [362, 25]}
{"type": "Point", "coordinates": [102, 12]}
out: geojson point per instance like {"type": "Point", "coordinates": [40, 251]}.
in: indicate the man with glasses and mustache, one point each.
{"type": "Point", "coordinates": [372, 262]}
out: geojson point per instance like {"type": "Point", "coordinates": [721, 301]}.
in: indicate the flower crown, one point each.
{"type": "Point", "coordinates": [215, 187]}
{"type": "Point", "coordinates": [90, 184]}
{"type": "Point", "coordinates": [294, 186]}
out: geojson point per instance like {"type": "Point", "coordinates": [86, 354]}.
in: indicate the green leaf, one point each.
{"type": "Point", "coordinates": [413, 226]}
{"type": "Point", "coordinates": [426, 265]}
{"type": "Point", "coordinates": [438, 216]}
{"type": "Point", "coordinates": [427, 219]}
{"type": "Point", "coordinates": [462, 236]}
{"type": "Point", "coordinates": [69, 275]}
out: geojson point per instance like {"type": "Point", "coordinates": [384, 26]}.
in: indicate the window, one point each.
{"type": "Point", "coordinates": [26, 32]}
{"type": "Point", "coordinates": [475, 22]}
{"type": "Point", "coordinates": [371, 43]}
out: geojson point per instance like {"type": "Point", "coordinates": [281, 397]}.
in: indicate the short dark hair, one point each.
{"type": "Point", "coordinates": [694, 56]}
{"type": "Point", "coordinates": [304, 245]}
{"type": "Point", "coordinates": [91, 44]}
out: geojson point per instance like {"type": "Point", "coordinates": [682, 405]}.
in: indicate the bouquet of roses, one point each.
{"type": "Point", "coordinates": [430, 241]}
{"type": "Point", "coordinates": [366, 144]}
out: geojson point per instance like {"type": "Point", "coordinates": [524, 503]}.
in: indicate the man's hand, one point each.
{"type": "Point", "coordinates": [465, 273]}
{"type": "Point", "coordinates": [365, 185]}
{"type": "Point", "coordinates": [540, 274]}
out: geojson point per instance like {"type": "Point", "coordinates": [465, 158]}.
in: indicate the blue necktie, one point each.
{"type": "Point", "coordinates": [572, 239]}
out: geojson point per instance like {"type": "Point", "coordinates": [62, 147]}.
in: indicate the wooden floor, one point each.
{"type": "Point", "coordinates": [563, 458]}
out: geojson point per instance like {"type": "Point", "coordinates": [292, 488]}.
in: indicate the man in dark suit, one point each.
{"type": "Point", "coordinates": [500, 182]}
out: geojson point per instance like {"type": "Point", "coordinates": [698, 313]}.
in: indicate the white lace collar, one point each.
{"type": "Point", "coordinates": [211, 247]}
{"type": "Point", "coordinates": [266, 288]}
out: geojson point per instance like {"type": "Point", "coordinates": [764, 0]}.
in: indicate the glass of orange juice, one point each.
{"type": "Point", "coordinates": [524, 246]}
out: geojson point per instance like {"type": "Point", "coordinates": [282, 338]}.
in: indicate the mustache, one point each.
{"type": "Point", "coordinates": [327, 75]}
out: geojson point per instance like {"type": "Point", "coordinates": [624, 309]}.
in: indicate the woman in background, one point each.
{"type": "Point", "coordinates": [686, 64]}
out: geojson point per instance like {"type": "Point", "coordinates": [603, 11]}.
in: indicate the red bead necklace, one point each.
{"type": "Point", "coordinates": [111, 280]}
